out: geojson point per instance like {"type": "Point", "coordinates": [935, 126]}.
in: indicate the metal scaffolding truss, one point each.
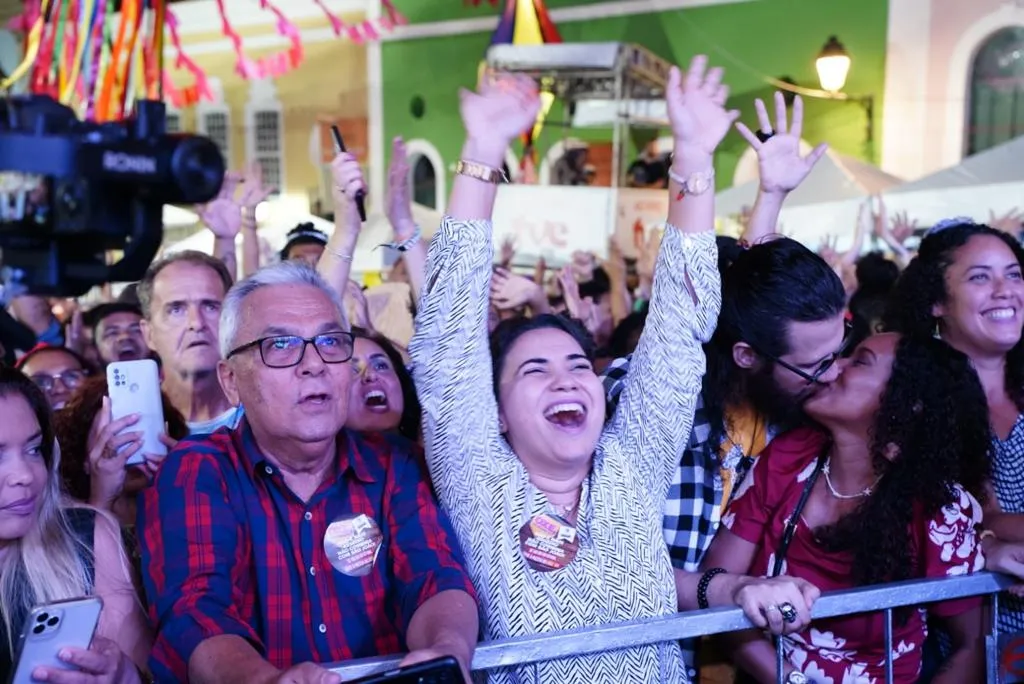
{"type": "Point", "coordinates": [625, 82]}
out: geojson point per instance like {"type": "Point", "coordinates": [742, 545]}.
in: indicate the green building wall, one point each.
{"type": "Point", "coordinates": [751, 39]}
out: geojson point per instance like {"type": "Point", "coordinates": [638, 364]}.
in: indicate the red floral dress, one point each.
{"type": "Point", "coordinates": [848, 650]}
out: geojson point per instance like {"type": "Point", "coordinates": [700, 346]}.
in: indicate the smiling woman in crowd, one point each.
{"type": "Point", "coordinates": [50, 551]}
{"type": "Point", "coordinates": [965, 285]}
{"type": "Point", "coordinates": [560, 516]}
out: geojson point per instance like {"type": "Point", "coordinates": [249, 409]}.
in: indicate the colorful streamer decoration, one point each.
{"type": "Point", "coordinates": [527, 22]}
{"type": "Point", "coordinates": [98, 61]}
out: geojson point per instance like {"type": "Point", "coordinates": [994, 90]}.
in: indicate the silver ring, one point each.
{"type": "Point", "coordinates": [789, 613]}
{"type": "Point", "coordinates": [772, 608]}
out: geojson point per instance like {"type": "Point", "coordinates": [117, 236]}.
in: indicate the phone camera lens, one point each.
{"type": "Point", "coordinates": [38, 629]}
{"type": "Point", "coordinates": [52, 622]}
{"type": "Point", "coordinates": [43, 617]}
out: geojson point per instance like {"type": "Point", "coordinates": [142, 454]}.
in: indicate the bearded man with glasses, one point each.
{"type": "Point", "coordinates": [289, 541]}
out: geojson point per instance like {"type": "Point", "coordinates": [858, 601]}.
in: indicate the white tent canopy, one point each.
{"type": "Point", "coordinates": [990, 181]}
{"type": "Point", "coordinates": [826, 203]}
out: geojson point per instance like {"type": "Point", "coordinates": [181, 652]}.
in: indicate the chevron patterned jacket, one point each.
{"type": "Point", "coordinates": [621, 570]}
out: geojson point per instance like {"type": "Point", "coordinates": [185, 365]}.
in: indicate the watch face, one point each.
{"type": "Point", "coordinates": [698, 184]}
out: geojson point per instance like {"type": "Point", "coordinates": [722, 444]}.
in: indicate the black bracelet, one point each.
{"type": "Point", "coordinates": [702, 586]}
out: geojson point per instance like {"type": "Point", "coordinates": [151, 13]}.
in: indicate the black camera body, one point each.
{"type": "Point", "coordinates": [71, 191]}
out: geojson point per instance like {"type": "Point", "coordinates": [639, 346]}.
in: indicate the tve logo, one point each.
{"type": "Point", "coordinates": [1011, 659]}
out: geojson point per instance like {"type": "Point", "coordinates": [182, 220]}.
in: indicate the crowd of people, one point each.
{"type": "Point", "coordinates": [725, 423]}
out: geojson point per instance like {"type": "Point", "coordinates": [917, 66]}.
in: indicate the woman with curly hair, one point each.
{"type": "Point", "coordinates": [965, 286]}
{"type": "Point", "coordinates": [95, 450]}
{"type": "Point", "coordinates": [886, 483]}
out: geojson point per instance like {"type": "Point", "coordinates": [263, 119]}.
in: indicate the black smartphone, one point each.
{"type": "Point", "coordinates": [438, 671]}
{"type": "Point", "coordinates": [339, 147]}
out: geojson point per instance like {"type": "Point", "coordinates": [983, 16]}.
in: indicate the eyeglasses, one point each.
{"type": "Point", "coordinates": [814, 377]}
{"type": "Point", "coordinates": [69, 378]}
{"type": "Point", "coordinates": [285, 351]}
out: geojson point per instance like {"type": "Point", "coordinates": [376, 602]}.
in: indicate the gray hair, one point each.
{"type": "Point", "coordinates": [283, 273]}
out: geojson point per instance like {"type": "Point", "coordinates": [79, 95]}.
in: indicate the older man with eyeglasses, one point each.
{"type": "Point", "coordinates": [290, 541]}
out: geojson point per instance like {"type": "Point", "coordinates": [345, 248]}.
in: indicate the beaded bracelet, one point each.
{"type": "Point", "coordinates": [702, 586]}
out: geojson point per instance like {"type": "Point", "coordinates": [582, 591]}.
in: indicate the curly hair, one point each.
{"type": "Point", "coordinates": [930, 433]}
{"type": "Point", "coordinates": [409, 424]}
{"type": "Point", "coordinates": [73, 423]}
{"type": "Point", "coordinates": [923, 285]}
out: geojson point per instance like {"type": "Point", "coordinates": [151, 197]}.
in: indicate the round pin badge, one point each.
{"type": "Point", "coordinates": [548, 543]}
{"type": "Point", "coordinates": [352, 544]}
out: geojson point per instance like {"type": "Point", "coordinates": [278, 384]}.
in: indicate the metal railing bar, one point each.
{"type": "Point", "coordinates": [555, 645]}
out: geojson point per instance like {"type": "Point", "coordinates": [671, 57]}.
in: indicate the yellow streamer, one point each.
{"type": "Point", "coordinates": [85, 38]}
{"type": "Point", "coordinates": [31, 50]}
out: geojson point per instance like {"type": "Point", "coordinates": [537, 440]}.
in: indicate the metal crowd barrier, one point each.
{"type": "Point", "coordinates": [537, 648]}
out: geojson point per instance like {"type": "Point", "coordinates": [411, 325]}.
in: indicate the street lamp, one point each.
{"type": "Point", "coordinates": [833, 65]}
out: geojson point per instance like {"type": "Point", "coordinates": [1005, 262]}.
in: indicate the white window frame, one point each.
{"type": "Point", "coordinates": [424, 148]}
{"type": "Point", "coordinates": [216, 106]}
{"type": "Point", "coordinates": [263, 99]}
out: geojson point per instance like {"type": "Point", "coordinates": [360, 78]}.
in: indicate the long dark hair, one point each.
{"type": "Point", "coordinates": [409, 425]}
{"type": "Point", "coordinates": [923, 285]}
{"type": "Point", "coordinates": [933, 416]}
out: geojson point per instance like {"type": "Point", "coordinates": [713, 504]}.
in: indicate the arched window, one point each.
{"type": "Point", "coordinates": [996, 95]}
{"type": "Point", "coordinates": [426, 166]}
{"type": "Point", "coordinates": [424, 182]}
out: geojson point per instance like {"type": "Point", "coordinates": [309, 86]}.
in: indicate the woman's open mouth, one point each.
{"type": "Point", "coordinates": [570, 415]}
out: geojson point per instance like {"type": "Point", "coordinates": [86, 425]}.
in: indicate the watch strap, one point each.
{"type": "Point", "coordinates": [480, 172]}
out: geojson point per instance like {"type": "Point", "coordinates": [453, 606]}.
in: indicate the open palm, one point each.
{"type": "Point", "coordinates": [780, 164]}
{"type": "Point", "coordinates": [696, 106]}
{"type": "Point", "coordinates": [504, 107]}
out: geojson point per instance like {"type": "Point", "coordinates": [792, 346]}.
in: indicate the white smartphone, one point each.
{"type": "Point", "coordinates": [50, 628]}
{"type": "Point", "coordinates": [134, 387]}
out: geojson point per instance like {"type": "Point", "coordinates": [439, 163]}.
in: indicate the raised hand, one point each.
{"type": "Point", "coordinates": [348, 180]}
{"type": "Point", "coordinates": [582, 309]}
{"type": "Point", "coordinates": [828, 250]}
{"type": "Point", "coordinates": [505, 107]}
{"type": "Point", "coordinates": [780, 165]}
{"type": "Point", "coordinates": [902, 227]}
{"type": "Point", "coordinates": [508, 251]}
{"type": "Point", "coordinates": [398, 196]}
{"type": "Point", "coordinates": [254, 192]}
{"type": "Point", "coordinates": [360, 308]}
{"type": "Point", "coordinates": [583, 265]}
{"type": "Point", "coordinates": [1010, 222]}
{"type": "Point", "coordinates": [511, 291]}
{"type": "Point", "coordinates": [696, 106]}
{"type": "Point", "coordinates": [109, 450]}
{"type": "Point", "coordinates": [223, 215]}
{"type": "Point", "coordinates": [615, 264]}
{"type": "Point", "coordinates": [647, 255]}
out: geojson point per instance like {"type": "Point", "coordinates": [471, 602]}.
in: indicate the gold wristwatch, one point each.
{"type": "Point", "coordinates": [480, 172]}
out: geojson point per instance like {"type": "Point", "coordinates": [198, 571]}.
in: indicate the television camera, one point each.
{"type": "Point", "coordinates": [72, 191]}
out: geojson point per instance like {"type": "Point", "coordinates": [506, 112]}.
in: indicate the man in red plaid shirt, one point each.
{"type": "Point", "coordinates": [289, 541]}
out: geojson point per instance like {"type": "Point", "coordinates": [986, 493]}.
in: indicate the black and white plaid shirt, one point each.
{"type": "Point", "coordinates": [693, 507]}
